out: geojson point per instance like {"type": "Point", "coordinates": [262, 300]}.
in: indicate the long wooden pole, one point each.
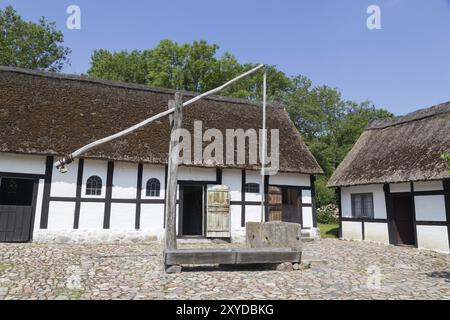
{"type": "Point", "coordinates": [170, 238]}
{"type": "Point", "coordinates": [263, 147]}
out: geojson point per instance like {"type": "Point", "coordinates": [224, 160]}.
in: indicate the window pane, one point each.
{"type": "Point", "coordinates": [153, 188]}
{"type": "Point", "coordinates": [368, 206]}
{"type": "Point", "coordinates": [357, 204]}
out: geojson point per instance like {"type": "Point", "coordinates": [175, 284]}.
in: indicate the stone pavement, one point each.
{"type": "Point", "coordinates": [332, 269]}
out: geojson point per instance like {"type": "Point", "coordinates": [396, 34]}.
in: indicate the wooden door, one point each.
{"type": "Point", "coordinates": [16, 209]}
{"type": "Point", "coordinates": [275, 204]}
{"type": "Point", "coordinates": [218, 212]}
{"type": "Point", "coordinates": [403, 216]}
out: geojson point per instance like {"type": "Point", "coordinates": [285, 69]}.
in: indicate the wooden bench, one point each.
{"type": "Point", "coordinates": [230, 256]}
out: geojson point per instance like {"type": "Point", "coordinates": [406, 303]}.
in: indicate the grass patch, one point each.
{"type": "Point", "coordinates": [5, 266]}
{"type": "Point", "coordinates": [71, 294]}
{"type": "Point", "coordinates": [330, 230]}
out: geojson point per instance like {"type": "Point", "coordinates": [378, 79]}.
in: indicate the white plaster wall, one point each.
{"type": "Point", "coordinates": [306, 196]}
{"type": "Point", "coordinates": [352, 230]}
{"type": "Point", "coordinates": [233, 179]}
{"type": "Point", "coordinates": [152, 218]}
{"type": "Point", "coordinates": [290, 179]}
{"type": "Point", "coordinates": [433, 237]}
{"type": "Point", "coordinates": [94, 168]}
{"type": "Point", "coordinates": [196, 174]}
{"type": "Point", "coordinates": [22, 163]}
{"type": "Point", "coordinates": [252, 213]}
{"type": "Point", "coordinates": [38, 211]}
{"type": "Point", "coordinates": [253, 177]}
{"type": "Point", "coordinates": [428, 185]}
{"type": "Point", "coordinates": [400, 187]}
{"type": "Point", "coordinates": [307, 217]}
{"type": "Point", "coordinates": [123, 216]}
{"type": "Point", "coordinates": [157, 172]}
{"type": "Point", "coordinates": [124, 180]}
{"type": "Point", "coordinates": [376, 232]}
{"type": "Point", "coordinates": [61, 215]}
{"type": "Point", "coordinates": [65, 184]}
{"type": "Point", "coordinates": [430, 208]}
{"type": "Point", "coordinates": [236, 214]}
{"type": "Point", "coordinates": [379, 203]}
{"type": "Point", "coordinates": [91, 215]}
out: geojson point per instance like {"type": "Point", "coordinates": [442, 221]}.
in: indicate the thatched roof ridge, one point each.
{"type": "Point", "coordinates": [403, 149]}
{"type": "Point", "coordinates": [53, 114]}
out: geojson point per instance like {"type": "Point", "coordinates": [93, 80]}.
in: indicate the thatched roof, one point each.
{"type": "Point", "coordinates": [406, 148]}
{"type": "Point", "coordinates": [54, 114]}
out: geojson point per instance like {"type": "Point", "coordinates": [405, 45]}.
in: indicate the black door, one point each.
{"type": "Point", "coordinates": [290, 205]}
{"type": "Point", "coordinates": [16, 209]}
{"type": "Point", "coordinates": [192, 210]}
{"type": "Point", "coordinates": [404, 222]}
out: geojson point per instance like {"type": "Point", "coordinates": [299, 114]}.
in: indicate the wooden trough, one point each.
{"type": "Point", "coordinates": [231, 256]}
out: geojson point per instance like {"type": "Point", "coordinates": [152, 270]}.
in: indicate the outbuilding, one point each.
{"type": "Point", "coordinates": [394, 186]}
{"type": "Point", "coordinates": [117, 191]}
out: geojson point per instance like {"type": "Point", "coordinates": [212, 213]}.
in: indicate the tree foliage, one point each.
{"type": "Point", "coordinates": [30, 45]}
{"type": "Point", "coordinates": [329, 124]}
{"type": "Point", "coordinates": [191, 67]}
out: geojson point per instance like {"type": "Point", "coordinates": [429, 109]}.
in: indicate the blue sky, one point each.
{"type": "Point", "coordinates": [402, 67]}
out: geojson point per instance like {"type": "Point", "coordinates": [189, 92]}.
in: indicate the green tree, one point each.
{"type": "Point", "coordinates": [30, 45]}
{"type": "Point", "coordinates": [192, 67]}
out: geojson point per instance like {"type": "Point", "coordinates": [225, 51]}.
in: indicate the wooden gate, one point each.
{"type": "Point", "coordinates": [218, 212]}
{"type": "Point", "coordinates": [275, 204]}
{"type": "Point", "coordinates": [16, 208]}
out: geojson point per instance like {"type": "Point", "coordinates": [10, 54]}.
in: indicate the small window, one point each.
{"type": "Point", "coordinates": [252, 188]}
{"type": "Point", "coordinates": [94, 186]}
{"type": "Point", "coordinates": [362, 205]}
{"type": "Point", "coordinates": [153, 188]}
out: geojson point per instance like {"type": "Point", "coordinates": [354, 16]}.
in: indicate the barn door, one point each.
{"type": "Point", "coordinates": [16, 209]}
{"type": "Point", "coordinates": [218, 212]}
{"type": "Point", "coordinates": [275, 204]}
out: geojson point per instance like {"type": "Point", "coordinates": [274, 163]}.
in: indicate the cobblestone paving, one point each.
{"type": "Point", "coordinates": [338, 270]}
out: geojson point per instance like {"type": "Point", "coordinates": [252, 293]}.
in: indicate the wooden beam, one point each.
{"type": "Point", "coordinates": [170, 239]}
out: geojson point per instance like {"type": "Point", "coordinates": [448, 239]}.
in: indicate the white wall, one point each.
{"type": "Point", "coordinates": [307, 217]}
{"type": "Point", "coordinates": [428, 185]}
{"type": "Point", "coordinates": [94, 168]}
{"type": "Point", "coordinates": [157, 172]}
{"type": "Point", "coordinates": [430, 208]}
{"type": "Point", "coordinates": [376, 232]}
{"type": "Point", "coordinates": [65, 184]}
{"type": "Point", "coordinates": [379, 203]}
{"type": "Point", "coordinates": [352, 230]}
{"type": "Point", "coordinates": [399, 187]}
{"type": "Point", "coordinates": [124, 180]}
{"type": "Point", "coordinates": [152, 217]}
{"type": "Point", "coordinates": [252, 213]}
{"type": "Point", "coordinates": [306, 197]}
{"type": "Point", "coordinates": [38, 210]}
{"type": "Point", "coordinates": [123, 216]}
{"type": "Point", "coordinates": [20, 163]}
{"type": "Point", "coordinates": [433, 237]}
{"type": "Point", "coordinates": [290, 179]}
{"type": "Point", "coordinates": [91, 215]}
{"type": "Point", "coordinates": [233, 179]}
{"type": "Point", "coordinates": [196, 174]}
{"type": "Point", "coordinates": [61, 215]}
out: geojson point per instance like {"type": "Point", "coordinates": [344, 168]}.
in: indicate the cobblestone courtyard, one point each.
{"type": "Point", "coordinates": [338, 270]}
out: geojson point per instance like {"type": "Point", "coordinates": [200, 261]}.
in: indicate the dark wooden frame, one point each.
{"type": "Point", "coordinates": [35, 178]}
{"type": "Point", "coordinates": [181, 185]}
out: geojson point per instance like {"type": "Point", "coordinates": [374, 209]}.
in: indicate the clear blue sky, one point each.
{"type": "Point", "coordinates": [403, 67]}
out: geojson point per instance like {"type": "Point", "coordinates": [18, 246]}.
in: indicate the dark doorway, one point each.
{"type": "Point", "coordinates": [16, 209]}
{"type": "Point", "coordinates": [192, 210]}
{"type": "Point", "coordinates": [404, 221]}
{"type": "Point", "coordinates": [290, 205]}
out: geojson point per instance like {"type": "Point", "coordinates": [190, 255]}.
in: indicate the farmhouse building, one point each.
{"type": "Point", "coordinates": [117, 191]}
{"type": "Point", "coordinates": [393, 186]}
